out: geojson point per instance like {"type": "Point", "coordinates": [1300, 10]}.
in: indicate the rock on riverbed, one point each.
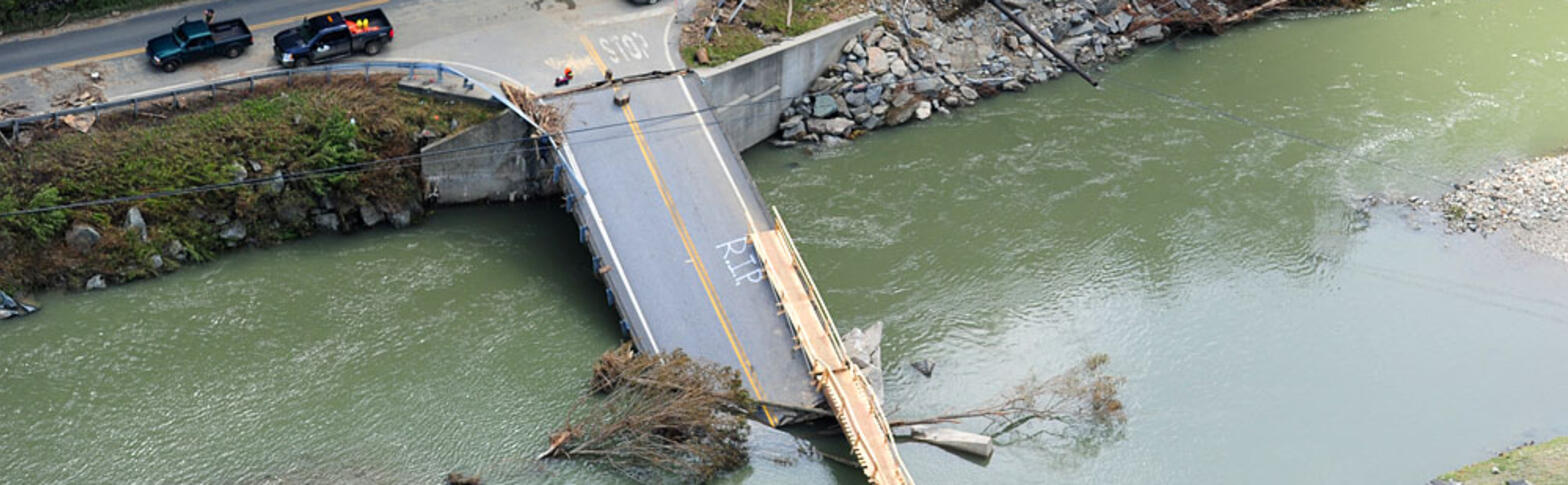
{"type": "Point", "coordinates": [1528, 196]}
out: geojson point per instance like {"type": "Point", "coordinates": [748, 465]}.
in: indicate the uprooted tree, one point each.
{"type": "Point", "coordinates": [1079, 405]}
{"type": "Point", "coordinates": [658, 418]}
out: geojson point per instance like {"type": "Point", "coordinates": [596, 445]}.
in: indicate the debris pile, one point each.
{"type": "Point", "coordinates": [661, 417]}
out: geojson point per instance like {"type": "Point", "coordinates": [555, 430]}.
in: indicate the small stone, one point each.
{"type": "Point", "coordinates": [1013, 86]}
{"type": "Point", "coordinates": [968, 93]}
{"type": "Point", "coordinates": [156, 261]}
{"type": "Point", "coordinates": [96, 283]}
{"type": "Point", "coordinates": [874, 93]}
{"type": "Point", "coordinates": [855, 98]}
{"type": "Point", "coordinates": [924, 366]}
{"type": "Point", "coordinates": [923, 111]}
{"type": "Point", "coordinates": [899, 68]}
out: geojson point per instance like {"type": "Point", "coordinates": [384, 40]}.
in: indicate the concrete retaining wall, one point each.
{"type": "Point", "coordinates": [752, 91]}
{"type": "Point", "coordinates": [499, 170]}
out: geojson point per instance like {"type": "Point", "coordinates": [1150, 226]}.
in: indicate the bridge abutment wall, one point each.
{"type": "Point", "coordinates": [751, 92]}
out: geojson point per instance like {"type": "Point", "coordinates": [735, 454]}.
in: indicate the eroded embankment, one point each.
{"type": "Point", "coordinates": [929, 56]}
{"type": "Point", "coordinates": [306, 158]}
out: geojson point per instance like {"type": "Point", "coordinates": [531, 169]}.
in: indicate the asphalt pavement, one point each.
{"type": "Point", "coordinates": [132, 33]}
{"type": "Point", "coordinates": [672, 198]}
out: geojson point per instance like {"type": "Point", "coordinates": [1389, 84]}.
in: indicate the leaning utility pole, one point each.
{"type": "Point", "coordinates": [1042, 41]}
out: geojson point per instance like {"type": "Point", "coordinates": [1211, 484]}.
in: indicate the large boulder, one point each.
{"type": "Point", "coordinates": [401, 219]}
{"type": "Point", "coordinates": [327, 222]}
{"type": "Point", "coordinates": [833, 126]}
{"type": "Point", "coordinates": [877, 61]}
{"type": "Point", "coordinates": [135, 223]}
{"type": "Point", "coordinates": [233, 232]}
{"type": "Point", "coordinates": [824, 106]}
{"type": "Point", "coordinates": [82, 237]}
{"type": "Point", "coordinates": [1152, 33]}
{"type": "Point", "coordinates": [370, 215]}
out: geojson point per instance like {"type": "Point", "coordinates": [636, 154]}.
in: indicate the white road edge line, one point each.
{"type": "Point", "coordinates": [609, 245]}
{"type": "Point", "coordinates": [718, 155]}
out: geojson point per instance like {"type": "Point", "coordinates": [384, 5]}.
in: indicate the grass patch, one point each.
{"type": "Point", "coordinates": [313, 125]}
{"type": "Point", "coordinates": [773, 16]}
{"type": "Point", "coordinates": [734, 43]}
{"type": "Point", "coordinates": [769, 18]}
{"type": "Point", "coordinates": [1541, 464]}
{"type": "Point", "coordinates": [24, 15]}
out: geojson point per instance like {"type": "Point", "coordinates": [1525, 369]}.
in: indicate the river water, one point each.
{"type": "Point", "coordinates": [1269, 331]}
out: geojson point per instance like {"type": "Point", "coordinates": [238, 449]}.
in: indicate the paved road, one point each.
{"type": "Point", "coordinates": [677, 205]}
{"type": "Point", "coordinates": [131, 35]}
{"type": "Point", "coordinates": [674, 200]}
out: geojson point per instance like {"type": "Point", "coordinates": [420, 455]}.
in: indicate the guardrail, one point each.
{"type": "Point", "coordinates": [440, 70]}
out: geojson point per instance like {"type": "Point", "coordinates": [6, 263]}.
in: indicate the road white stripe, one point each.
{"type": "Point", "coordinates": [718, 155]}
{"type": "Point", "coordinates": [609, 245]}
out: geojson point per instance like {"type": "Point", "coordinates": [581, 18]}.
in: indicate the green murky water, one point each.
{"type": "Point", "coordinates": [1269, 333]}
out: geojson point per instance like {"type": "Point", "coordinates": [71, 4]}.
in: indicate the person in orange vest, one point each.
{"type": "Point", "coordinates": [566, 78]}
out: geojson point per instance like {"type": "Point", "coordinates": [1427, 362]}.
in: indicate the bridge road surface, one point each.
{"type": "Point", "coordinates": [677, 205]}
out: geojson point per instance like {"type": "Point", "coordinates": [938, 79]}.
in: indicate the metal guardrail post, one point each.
{"type": "Point", "coordinates": [252, 80]}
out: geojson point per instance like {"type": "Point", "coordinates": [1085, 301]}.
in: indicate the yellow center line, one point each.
{"type": "Point", "coordinates": [132, 52]}
{"type": "Point", "coordinates": [691, 248]}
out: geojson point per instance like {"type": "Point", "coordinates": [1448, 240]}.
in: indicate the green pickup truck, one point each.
{"type": "Point", "coordinates": [193, 40]}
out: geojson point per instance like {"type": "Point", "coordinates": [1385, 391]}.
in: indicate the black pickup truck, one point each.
{"type": "Point", "coordinates": [194, 39]}
{"type": "Point", "coordinates": [331, 36]}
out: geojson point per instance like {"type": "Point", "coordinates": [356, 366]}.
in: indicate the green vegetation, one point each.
{"type": "Point", "coordinates": [734, 43]}
{"type": "Point", "coordinates": [773, 16]}
{"type": "Point", "coordinates": [24, 15]}
{"type": "Point", "coordinates": [759, 16]}
{"type": "Point", "coordinates": [1541, 464]}
{"type": "Point", "coordinates": [275, 131]}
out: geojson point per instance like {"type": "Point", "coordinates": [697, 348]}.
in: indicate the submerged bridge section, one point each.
{"type": "Point", "coordinates": [692, 261]}
{"type": "Point", "coordinates": [666, 207]}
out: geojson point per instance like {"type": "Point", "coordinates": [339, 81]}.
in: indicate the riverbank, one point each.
{"type": "Point", "coordinates": [1528, 197]}
{"type": "Point", "coordinates": [931, 56]}
{"type": "Point", "coordinates": [1537, 464]}
{"type": "Point", "coordinates": [262, 155]}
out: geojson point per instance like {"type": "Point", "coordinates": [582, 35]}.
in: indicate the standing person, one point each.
{"type": "Point", "coordinates": [208, 14]}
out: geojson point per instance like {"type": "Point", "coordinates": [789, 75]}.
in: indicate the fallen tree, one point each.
{"type": "Point", "coordinates": [658, 418]}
